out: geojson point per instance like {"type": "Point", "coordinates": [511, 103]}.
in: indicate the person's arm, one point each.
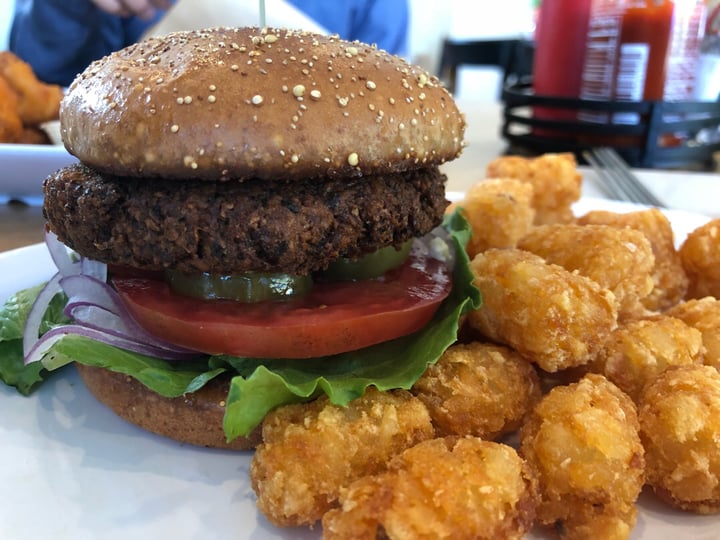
{"type": "Point", "coordinates": [60, 38]}
{"type": "Point", "coordinates": [383, 22]}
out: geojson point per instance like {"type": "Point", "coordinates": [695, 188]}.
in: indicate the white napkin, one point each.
{"type": "Point", "coordinates": [194, 15]}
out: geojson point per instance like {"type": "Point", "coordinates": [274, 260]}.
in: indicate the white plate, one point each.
{"type": "Point", "coordinates": [71, 469]}
{"type": "Point", "coordinates": [23, 167]}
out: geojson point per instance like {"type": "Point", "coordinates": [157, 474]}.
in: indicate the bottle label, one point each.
{"type": "Point", "coordinates": [630, 82]}
{"type": "Point", "coordinates": [599, 67]}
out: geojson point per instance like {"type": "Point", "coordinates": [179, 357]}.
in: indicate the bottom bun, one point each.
{"type": "Point", "coordinates": [193, 419]}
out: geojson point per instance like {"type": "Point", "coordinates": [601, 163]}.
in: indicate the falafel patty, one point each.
{"type": "Point", "coordinates": [229, 227]}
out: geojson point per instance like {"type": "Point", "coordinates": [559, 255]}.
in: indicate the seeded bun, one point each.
{"type": "Point", "coordinates": [195, 419]}
{"type": "Point", "coordinates": [251, 103]}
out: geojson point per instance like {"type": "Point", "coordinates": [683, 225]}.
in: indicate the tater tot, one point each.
{"type": "Point", "coordinates": [669, 277]}
{"type": "Point", "coordinates": [555, 179]}
{"type": "Point", "coordinates": [499, 211]}
{"type": "Point", "coordinates": [680, 428]}
{"type": "Point", "coordinates": [478, 389]}
{"type": "Point", "coordinates": [639, 350]}
{"type": "Point", "coordinates": [582, 440]}
{"type": "Point", "coordinates": [620, 260]}
{"type": "Point", "coordinates": [704, 315]}
{"type": "Point", "coordinates": [555, 318]}
{"type": "Point", "coordinates": [310, 451]}
{"type": "Point", "coordinates": [700, 256]}
{"type": "Point", "coordinates": [450, 488]}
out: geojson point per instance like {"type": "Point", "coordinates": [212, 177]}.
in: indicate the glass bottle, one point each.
{"type": "Point", "coordinates": [560, 47]}
{"type": "Point", "coordinates": [626, 51]}
{"type": "Point", "coordinates": [560, 37]}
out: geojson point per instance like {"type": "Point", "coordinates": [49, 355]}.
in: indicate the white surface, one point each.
{"type": "Point", "coordinates": [23, 167]}
{"type": "Point", "coordinates": [483, 20]}
{"type": "Point", "coordinates": [7, 7]}
{"type": "Point", "coordinates": [72, 470]}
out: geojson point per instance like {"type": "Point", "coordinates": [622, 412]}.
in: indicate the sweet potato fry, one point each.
{"type": "Point", "coordinates": [38, 102]}
{"type": "Point", "coordinates": [10, 124]}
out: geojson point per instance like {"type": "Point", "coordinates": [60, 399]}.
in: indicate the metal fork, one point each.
{"type": "Point", "coordinates": [617, 180]}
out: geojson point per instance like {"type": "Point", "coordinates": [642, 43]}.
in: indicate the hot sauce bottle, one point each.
{"type": "Point", "coordinates": [559, 55]}
{"type": "Point", "coordinates": [641, 50]}
{"type": "Point", "coordinates": [560, 47]}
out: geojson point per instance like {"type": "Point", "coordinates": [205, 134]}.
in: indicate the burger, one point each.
{"type": "Point", "coordinates": [257, 217]}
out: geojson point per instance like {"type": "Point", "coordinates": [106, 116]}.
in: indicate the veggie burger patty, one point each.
{"type": "Point", "coordinates": [234, 226]}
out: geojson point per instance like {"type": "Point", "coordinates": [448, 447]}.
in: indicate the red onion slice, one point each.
{"type": "Point", "coordinates": [31, 333]}
{"type": "Point", "coordinates": [60, 255]}
{"type": "Point", "coordinates": [95, 307]}
{"type": "Point", "coordinates": [90, 289]}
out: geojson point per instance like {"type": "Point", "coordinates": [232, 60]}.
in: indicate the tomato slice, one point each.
{"type": "Point", "coordinates": [334, 317]}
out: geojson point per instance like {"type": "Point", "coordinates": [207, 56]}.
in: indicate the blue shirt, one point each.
{"type": "Point", "coordinates": [60, 38]}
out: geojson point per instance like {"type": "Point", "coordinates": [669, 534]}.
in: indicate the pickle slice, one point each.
{"type": "Point", "coordinates": [370, 266]}
{"type": "Point", "coordinates": [248, 287]}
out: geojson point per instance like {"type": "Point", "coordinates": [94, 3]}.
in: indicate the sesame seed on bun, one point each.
{"type": "Point", "coordinates": [258, 103]}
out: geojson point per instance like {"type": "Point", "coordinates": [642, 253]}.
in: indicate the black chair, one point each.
{"type": "Point", "coordinates": [514, 57]}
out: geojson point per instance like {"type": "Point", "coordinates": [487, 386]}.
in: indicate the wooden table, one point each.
{"type": "Point", "coordinates": [20, 225]}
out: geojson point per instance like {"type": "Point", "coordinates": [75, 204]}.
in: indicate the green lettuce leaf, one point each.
{"type": "Point", "coordinates": [169, 379]}
{"type": "Point", "coordinates": [258, 386]}
{"type": "Point", "coordinates": [13, 371]}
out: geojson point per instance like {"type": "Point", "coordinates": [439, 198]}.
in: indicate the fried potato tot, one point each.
{"type": "Point", "coordinates": [10, 124]}
{"type": "Point", "coordinates": [704, 315]}
{"type": "Point", "coordinates": [620, 260]}
{"type": "Point", "coordinates": [680, 428]}
{"type": "Point", "coordinates": [310, 451]}
{"type": "Point", "coordinates": [670, 280]}
{"type": "Point", "coordinates": [582, 440]}
{"type": "Point", "coordinates": [478, 389]}
{"type": "Point", "coordinates": [499, 211]}
{"type": "Point", "coordinates": [555, 318]}
{"type": "Point", "coordinates": [454, 488]}
{"type": "Point", "coordinates": [700, 256]}
{"type": "Point", "coordinates": [638, 351]}
{"type": "Point", "coordinates": [555, 179]}
{"type": "Point", "coordinates": [37, 102]}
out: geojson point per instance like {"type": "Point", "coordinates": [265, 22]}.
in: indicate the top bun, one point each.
{"type": "Point", "coordinates": [264, 103]}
